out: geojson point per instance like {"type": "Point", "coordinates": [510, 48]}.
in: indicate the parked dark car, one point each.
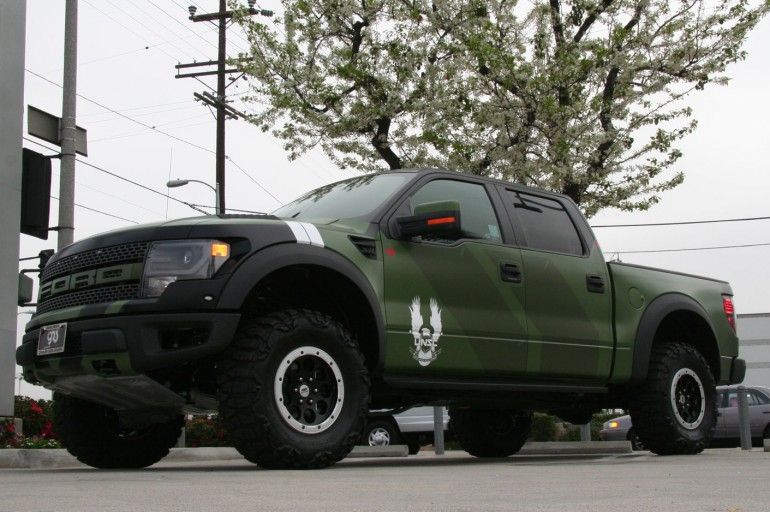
{"type": "Point", "coordinates": [727, 431]}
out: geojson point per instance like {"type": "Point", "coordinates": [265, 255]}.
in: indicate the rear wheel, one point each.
{"type": "Point", "coordinates": [293, 390]}
{"type": "Point", "coordinates": [95, 436]}
{"type": "Point", "coordinates": [490, 433]}
{"type": "Point", "coordinates": [674, 411]}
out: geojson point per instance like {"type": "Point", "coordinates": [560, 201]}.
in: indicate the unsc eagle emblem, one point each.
{"type": "Point", "coordinates": [425, 349]}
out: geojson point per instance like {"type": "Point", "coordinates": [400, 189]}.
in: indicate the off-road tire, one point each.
{"type": "Point", "coordinates": [413, 444]}
{"type": "Point", "coordinates": [490, 433]}
{"type": "Point", "coordinates": [387, 425]}
{"type": "Point", "coordinates": [92, 434]}
{"type": "Point", "coordinates": [636, 443]}
{"type": "Point", "coordinates": [652, 412]}
{"type": "Point", "coordinates": [248, 405]}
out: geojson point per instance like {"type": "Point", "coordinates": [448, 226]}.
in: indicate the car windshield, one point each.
{"type": "Point", "coordinates": [349, 199]}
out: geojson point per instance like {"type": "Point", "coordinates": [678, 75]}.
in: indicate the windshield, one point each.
{"type": "Point", "coordinates": [349, 199]}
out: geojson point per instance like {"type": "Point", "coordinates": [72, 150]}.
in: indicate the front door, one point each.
{"type": "Point", "coordinates": [454, 308]}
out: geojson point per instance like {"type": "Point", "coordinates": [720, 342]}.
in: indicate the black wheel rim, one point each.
{"type": "Point", "coordinates": [688, 398]}
{"type": "Point", "coordinates": [309, 390]}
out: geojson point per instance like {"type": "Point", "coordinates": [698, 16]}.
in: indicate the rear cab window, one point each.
{"type": "Point", "coordinates": [545, 223]}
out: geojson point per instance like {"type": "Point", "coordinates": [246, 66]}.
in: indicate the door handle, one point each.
{"type": "Point", "coordinates": [594, 283]}
{"type": "Point", "coordinates": [510, 273]}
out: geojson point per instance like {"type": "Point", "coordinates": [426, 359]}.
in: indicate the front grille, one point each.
{"type": "Point", "coordinates": [94, 296]}
{"type": "Point", "coordinates": [103, 257]}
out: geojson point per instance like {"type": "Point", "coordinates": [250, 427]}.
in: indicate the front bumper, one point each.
{"type": "Point", "coordinates": [129, 344]}
{"type": "Point", "coordinates": [613, 434]}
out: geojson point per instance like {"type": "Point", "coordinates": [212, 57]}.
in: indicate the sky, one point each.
{"type": "Point", "coordinates": [127, 50]}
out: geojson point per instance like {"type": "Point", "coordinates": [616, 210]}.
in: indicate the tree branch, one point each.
{"type": "Point", "coordinates": [381, 145]}
{"type": "Point", "coordinates": [590, 20]}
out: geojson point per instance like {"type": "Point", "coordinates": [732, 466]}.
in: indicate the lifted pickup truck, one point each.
{"type": "Point", "coordinates": [382, 291]}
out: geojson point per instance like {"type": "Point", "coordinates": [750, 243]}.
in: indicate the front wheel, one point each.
{"type": "Point", "coordinates": [674, 410]}
{"type": "Point", "coordinates": [381, 433]}
{"type": "Point", "coordinates": [94, 435]}
{"type": "Point", "coordinates": [490, 433]}
{"type": "Point", "coordinates": [293, 390]}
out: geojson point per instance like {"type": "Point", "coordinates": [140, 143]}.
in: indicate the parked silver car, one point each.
{"type": "Point", "coordinates": [727, 430]}
{"type": "Point", "coordinates": [413, 427]}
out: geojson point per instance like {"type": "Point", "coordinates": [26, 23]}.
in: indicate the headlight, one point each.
{"type": "Point", "coordinates": [613, 424]}
{"type": "Point", "coordinates": [177, 260]}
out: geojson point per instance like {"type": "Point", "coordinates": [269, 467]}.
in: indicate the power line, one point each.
{"type": "Point", "coordinates": [140, 123]}
{"type": "Point", "coordinates": [253, 179]}
{"type": "Point", "coordinates": [690, 249]}
{"type": "Point", "coordinates": [123, 178]}
{"type": "Point", "coordinates": [681, 223]}
{"type": "Point", "coordinates": [100, 211]}
{"type": "Point", "coordinates": [141, 36]}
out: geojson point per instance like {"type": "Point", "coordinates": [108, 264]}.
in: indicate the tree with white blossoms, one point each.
{"type": "Point", "coordinates": [583, 97]}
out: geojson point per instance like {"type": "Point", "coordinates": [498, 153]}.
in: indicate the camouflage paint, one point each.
{"type": "Point", "coordinates": [483, 322]}
{"type": "Point", "coordinates": [636, 287]}
{"type": "Point", "coordinates": [569, 328]}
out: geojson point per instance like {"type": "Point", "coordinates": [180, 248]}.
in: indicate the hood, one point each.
{"type": "Point", "coordinates": [252, 227]}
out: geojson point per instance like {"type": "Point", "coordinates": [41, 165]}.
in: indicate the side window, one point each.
{"type": "Point", "coordinates": [757, 398]}
{"type": "Point", "coordinates": [751, 399]}
{"type": "Point", "coordinates": [546, 224]}
{"type": "Point", "coordinates": [477, 215]}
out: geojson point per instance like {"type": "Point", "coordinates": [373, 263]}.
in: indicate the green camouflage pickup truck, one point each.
{"type": "Point", "coordinates": [382, 291]}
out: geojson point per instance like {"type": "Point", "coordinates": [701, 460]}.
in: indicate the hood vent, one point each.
{"type": "Point", "coordinates": [366, 246]}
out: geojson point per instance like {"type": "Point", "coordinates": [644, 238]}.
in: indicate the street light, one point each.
{"type": "Point", "coordinates": [182, 183]}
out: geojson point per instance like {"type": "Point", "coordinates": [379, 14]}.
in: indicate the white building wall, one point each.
{"type": "Point", "coordinates": [754, 335]}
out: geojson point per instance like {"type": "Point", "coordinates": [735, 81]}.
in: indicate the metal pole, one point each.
{"type": "Point", "coordinates": [438, 430]}
{"type": "Point", "coordinates": [743, 418]}
{"type": "Point", "coordinates": [585, 432]}
{"type": "Point", "coordinates": [68, 130]}
{"type": "Point", "coordinates": [12, 25]}
{"type": "Point", "coordinates": [221, 116]}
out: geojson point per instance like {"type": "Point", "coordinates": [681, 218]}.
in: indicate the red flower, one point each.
{"type": "Point", "coordinates": [10, 427]}
{"type": "Point", "coordinates": [47, 431]}
{"type": "Point", "coordinates": [34, 407]}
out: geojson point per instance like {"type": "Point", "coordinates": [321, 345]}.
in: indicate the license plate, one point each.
{"type": "Point", "coordinates": [51, 339]}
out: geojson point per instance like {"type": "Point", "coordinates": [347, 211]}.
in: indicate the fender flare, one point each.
{"type": "Point", "coordinates": [262, 263]}
{"type": "Point", "coordinates": [653, 315]}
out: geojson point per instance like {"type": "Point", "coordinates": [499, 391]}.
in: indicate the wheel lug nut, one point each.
{"type": "Point", "coordinates": [315, 390]}
{"type": "Point", "coordinates": [301, 401]}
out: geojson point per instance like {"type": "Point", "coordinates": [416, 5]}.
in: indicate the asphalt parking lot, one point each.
{"type": "Point", "coordinates": [717, 480]}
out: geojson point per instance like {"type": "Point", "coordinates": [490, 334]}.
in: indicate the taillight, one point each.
{"type": "Point", "coordinates": [729, 309]}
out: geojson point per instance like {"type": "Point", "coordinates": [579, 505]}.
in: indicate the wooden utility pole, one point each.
{"type": "Point", "coordinates": [223, 19]}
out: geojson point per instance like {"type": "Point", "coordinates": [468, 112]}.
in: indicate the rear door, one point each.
{"type": "Point", "coordinates": [567, 288]}
{"type": "Point", "coordinates": [455, 307]}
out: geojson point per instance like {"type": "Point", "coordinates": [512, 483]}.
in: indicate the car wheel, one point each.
{"type": "Point", "coordinates": [490, 433]}
{"type": "Point", "coordinates": [381, 433]}
{"type": "Point", "coordinates": [293, 390]}
{"type": "Point", "coordinates": [636, 443]}
{"type": "Point", "coordinates": [94, 435]}
{"type": "Point", "coordinates": [674, 410]}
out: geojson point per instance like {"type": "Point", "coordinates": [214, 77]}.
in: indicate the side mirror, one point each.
{"type": "Point", "coordinates": [440, 218]}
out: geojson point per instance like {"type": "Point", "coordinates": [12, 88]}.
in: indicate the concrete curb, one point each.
{"type": "Point", "coordinates": [576, 448]}
{"type": "Point", "coordinates": [766, 444]}
{"type": "Point", "coordinates": [59, 458]}
{"type": "Point", "coordinates": [45, 458]}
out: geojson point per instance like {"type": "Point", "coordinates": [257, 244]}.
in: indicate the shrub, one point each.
{"type": "Point", "coordinates": [9, 438]}
{"type": "Point", "coordinates": [205, 431]}
{"type": "Point", "coordinates": [543, 427]}
{"type": "Point", "coordinates": [36, 416]}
